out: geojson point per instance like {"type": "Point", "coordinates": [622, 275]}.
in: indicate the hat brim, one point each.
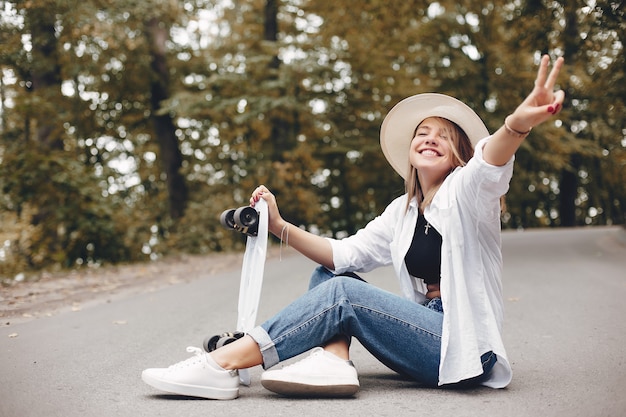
{"type": "Point", "coordinates": [399, 125]}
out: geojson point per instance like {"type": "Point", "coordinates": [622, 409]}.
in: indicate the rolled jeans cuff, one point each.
{"type": "Point", "coordinates": [266, 345]}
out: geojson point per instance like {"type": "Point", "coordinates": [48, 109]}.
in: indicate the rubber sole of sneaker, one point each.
{"type": "Point", "coordinates": [191, 390]}
{"type": "Point", "coordinates": [294, 389]}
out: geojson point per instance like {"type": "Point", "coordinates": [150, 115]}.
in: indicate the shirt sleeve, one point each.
{"type": "Point", "coordinates": [480, 184]}
{"type": "Point", "coordinates": [370, 247]}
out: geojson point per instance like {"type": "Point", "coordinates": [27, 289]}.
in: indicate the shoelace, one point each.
{"type": "Point", "coordinates": [197, 354]}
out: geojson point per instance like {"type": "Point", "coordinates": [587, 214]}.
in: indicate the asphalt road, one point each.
{"type": "Point", "coordinates": [565, 332]}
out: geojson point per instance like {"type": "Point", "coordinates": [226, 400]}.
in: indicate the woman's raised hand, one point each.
{"type": "Point", "coordinates": [543, 101]}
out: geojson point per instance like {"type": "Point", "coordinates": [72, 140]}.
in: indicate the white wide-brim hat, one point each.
{"type": "Point", "coordinates": [396, 132]}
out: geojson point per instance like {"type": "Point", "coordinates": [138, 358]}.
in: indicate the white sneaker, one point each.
{"type": "Point", "coordinates": [198, 376]}
{"type": "Point", "coordinates": [321, 374]}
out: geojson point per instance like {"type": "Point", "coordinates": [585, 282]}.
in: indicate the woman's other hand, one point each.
{"type": "Point", "coordinates": [275, 220]}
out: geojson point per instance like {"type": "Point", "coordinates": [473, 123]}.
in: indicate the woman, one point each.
{"type": "Point", "coordinates": [443, 238]}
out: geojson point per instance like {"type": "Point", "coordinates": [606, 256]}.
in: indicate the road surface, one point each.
{"type": "Point", "coordinates": [565, 332]}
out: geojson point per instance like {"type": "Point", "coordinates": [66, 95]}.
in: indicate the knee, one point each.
{"type": "Point", "coordinates": [320, 275]}
{"type": "Point", "coordinates": [342, 287]}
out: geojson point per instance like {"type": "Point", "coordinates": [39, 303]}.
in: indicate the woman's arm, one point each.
{"type": "Point", "coordinates": [542, 103]}
{"type": "Point", "coordinates": [314, 247]}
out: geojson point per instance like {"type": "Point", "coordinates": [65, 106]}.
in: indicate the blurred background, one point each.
{"type": "Point", "coordinates": [128, 126]}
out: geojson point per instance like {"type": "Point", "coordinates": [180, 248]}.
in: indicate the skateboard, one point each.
{"type": "Point", "coordinates": [253, 222]}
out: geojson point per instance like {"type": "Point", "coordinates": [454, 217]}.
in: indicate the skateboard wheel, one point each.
{"type": "Point", "coordinates": [215, 342]}
{"type": "Point", "coordinates": [228, 338]}
{"type": "Point", "coordinates": [209, 343]}
{"type": "Point", "coordinates": [227, 219]}
{"type": "Point", "coordinates": [246, 216]}
{"type": "Point", "coordinates": [246, 220]}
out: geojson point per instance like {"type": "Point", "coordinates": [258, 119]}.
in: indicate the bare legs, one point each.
{"type": "Point", "coordinates": [241, 354]}
{"type": "Point", "coordinates": [339, 346]}
{"type": "Point", "coordinates": [245, 353]}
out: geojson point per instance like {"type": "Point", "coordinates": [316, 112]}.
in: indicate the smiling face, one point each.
{"type": "Point", "coordinates": [431, 150]}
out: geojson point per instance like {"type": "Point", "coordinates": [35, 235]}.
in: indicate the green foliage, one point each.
{"type": "Point", "coordinates": [69, 221]}
{"type": "Point", "coordinates": [296, 106]}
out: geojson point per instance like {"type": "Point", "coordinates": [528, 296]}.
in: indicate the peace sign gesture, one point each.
{"type": "Point", "coordinates": [541, 104]}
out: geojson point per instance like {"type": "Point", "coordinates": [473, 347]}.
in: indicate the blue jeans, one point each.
{"type": "Point", "coordinates": [403, 335]}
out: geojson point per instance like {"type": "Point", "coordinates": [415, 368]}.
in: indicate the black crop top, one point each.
{"type": "Point", "coordinates": [423, 260]}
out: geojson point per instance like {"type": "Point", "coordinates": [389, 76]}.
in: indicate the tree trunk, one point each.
{"type": "Point", "coordinates": [270, 32]}
{"type": "Point", "coordinates": [164, 128]}
{"type": "Point", "coordinates": [43, 78]}
{"type": "Point", "coordinates": [44, 75]}
{"type": "Point", "coordinates": [567, 197]}
{"type": "Point", "coordinates": [283, 130]}
{"type": "Point", "coordinates": [569, 175]}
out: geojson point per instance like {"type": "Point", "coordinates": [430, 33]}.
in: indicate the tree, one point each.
{"type": "Point", "coordinates": [163, 125]}
{"type": "Point", "coordinates": [576, 190]}
{"type": "Point", "coordinates": [128, 127]}
{"type": "Point", "coordinates": [247, 122]}
{"type": "Point", "coordinates": [486, 55]}
{"type": "Point", "coordinates": [42, 186]}
{"type": "Point", "coordinates": [80, 116]}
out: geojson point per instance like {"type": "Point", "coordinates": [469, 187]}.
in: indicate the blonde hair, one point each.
{"type": "Point", "coordinates": [462, 152]}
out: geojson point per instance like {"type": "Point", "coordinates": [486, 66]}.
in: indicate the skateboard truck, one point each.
{"type": "Point", "coordinates": [243, 219]}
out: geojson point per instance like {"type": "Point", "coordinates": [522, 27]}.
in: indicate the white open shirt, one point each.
{"type": "Point", "coordinates": [466, 212]}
